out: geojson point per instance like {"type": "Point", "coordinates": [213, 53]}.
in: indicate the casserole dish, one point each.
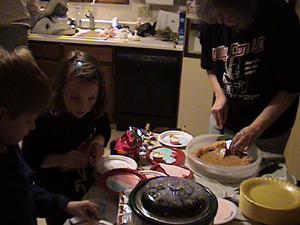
{"type": "Point", "coordinates": [156, 202]}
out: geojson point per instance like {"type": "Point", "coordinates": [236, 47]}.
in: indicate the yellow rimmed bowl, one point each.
{"type": "Point", "coordinates": [270, 201]}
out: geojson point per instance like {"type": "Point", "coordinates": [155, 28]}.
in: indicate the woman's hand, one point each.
{"type": "Point", "coordinates": [86, 210]}
{"type": "Point", "coordinates": [220, 110]}
{"type": "Point", "coordinates": [74, 159]}
{"type": "Point", "coordinates": [243, 140]}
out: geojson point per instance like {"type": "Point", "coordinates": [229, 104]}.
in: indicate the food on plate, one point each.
{"type": "Point", "coordinates": [214, 154]}
{"type": "Point", "coordinates": [174, 196]}
{"type": "Point", "coordinates": [158, 157]}
{"type": "Point", "coordinates": [174, 140]}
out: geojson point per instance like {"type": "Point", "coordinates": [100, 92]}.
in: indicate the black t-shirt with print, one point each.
{"type": "Point", "coordinates": [254, 64]}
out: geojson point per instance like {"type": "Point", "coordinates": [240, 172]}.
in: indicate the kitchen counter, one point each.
{"type": "Point", "coordinates": [147, 42]}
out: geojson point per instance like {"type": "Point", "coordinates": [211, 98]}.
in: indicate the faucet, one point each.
{"type": "Point", "coordinates": [92, 19]}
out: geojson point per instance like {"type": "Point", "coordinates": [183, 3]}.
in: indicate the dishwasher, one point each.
{"type": "Point", "coordinates": [146, 88]}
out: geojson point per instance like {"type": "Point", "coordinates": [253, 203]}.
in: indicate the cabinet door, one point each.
{"type": "Point", "coordinates": [107, 71]}
{"type": "Point", "coordinates": [47, 56]}
{"type": "Point", "coordinates": [49, 68]}
{"type": "Point", "coordinates": [45, 50]}
{"type": "Point", "coordinates": [102, 54]}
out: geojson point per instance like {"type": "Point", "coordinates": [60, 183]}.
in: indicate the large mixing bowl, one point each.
{"type": "Point", "coordinates": [227, 174]}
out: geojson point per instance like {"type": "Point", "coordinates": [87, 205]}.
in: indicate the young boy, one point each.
{"type": "Point", "coordinates": [24, 94]}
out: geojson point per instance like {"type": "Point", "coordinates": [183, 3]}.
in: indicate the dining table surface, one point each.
{"type": "Point", "coordinates": [229, 191]}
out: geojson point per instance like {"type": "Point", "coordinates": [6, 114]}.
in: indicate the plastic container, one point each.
{"type": "Point", "coordinates": [226, 174]}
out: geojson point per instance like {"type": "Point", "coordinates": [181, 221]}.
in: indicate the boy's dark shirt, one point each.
{"type": "Point", "coordinates": [21, 200]}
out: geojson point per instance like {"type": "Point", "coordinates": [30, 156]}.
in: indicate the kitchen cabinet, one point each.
{"type": "Point", "coordinates": [142, 83]}
{"type": "Point", "coordinates": [48, 55]}
{"type": "Point", "coordinates": [104, 1]}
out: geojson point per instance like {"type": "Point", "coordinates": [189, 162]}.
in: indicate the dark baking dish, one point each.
{"type": "Point", "coordinates": [142, 216]}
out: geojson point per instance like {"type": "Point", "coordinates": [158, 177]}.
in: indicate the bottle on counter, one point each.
{"type": "Point", "coordinates": [181, 27]}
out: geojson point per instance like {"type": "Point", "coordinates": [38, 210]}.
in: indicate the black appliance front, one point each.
{"type": "Point", "coordinates": [146, 88]}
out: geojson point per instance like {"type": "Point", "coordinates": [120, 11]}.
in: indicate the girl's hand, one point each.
{"type": "Point", "coordinates": [95, 148]}
{"type": "Point", "coordinates": [245, 138]}
{"type": "Point", "coordinates": [86, 210]}
{"type": "Point", "coordinates": [220, 110]}
{"type": "Point", "coordinates": [74, 159]}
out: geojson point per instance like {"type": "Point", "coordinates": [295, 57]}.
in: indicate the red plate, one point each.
{"type": "Point", "coordinates": [173, 170]}
{"type": "Point", "coordinates": [168, 153]}
{"type": "Point", "coordinates": [117, 180]}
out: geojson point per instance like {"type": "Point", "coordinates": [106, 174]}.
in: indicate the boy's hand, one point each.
{"type": "Point", "coordinates": [86, 210]}
{"type": "Point", "coordinates": [74, 159]}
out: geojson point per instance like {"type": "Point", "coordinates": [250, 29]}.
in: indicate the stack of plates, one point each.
{"type": "Point", "coordinates": [270, 201]}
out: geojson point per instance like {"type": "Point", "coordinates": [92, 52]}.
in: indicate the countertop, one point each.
{"type": "Point", "coordinates": [147, 42]}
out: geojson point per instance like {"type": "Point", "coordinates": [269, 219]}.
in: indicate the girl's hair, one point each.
{"type": "Point", "coordinates": [83, 66]}
{"type": "Point", "coordinates": [242, 11]}
{"type": "Point", "coordinates": [23, 86]}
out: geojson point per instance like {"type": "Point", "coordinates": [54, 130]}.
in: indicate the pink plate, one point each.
{"type": "Point", "coordinates": [173, 170]}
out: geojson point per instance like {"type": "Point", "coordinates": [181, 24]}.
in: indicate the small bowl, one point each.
{"type": "Point", "coordinates": [270, 201]}
{"type": "Point", "coordinates": [225, 174]}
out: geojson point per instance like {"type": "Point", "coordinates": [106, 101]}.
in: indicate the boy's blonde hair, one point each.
{"type": "Point", "coordinates": [23, 86]}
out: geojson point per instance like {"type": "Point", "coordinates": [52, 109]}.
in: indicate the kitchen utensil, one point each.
{"type": "Point", "coordinates": [270, 201]}
{"type": "Point", "coordinates": [221, 173]}
{"type": "Point", "coordinates": [268, 166]}
{"type": "Point", "coordinates": [226, 151]}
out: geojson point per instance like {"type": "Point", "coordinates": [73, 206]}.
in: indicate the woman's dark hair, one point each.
{"type": "Point", "coordinates": [242, 11]}
{"type": "Point", "coordinates": [83, 66]}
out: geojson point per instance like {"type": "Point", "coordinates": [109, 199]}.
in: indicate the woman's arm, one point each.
{"type": "Point", "coordinates": [279, 104]}
{"type": "Point", "coordinates": [220, 107]}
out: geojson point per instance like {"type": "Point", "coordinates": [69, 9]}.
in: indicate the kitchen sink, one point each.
{"type": "Point", "coordinates": [89, 34]}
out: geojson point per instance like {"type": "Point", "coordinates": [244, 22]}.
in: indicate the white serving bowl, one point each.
{"type": "Point", "coordinates": [226, 174]}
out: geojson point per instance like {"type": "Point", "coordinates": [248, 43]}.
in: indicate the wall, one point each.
{"type": "Point", "coordinates": [292, 150]}
{"type": "Point", "coordinates": [195, 98]}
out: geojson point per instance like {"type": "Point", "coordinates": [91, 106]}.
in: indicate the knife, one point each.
{"type": "Point", "coordinates": [270, 167]}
